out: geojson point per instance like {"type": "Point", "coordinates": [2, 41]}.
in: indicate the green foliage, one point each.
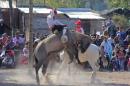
{"type": "Point", "coordinates": [61, 3]}
{"type": "Point", "coordinates": [119, 3]}
{"type": "Point", "coordinates": [120, 20]}
{"type": "Point", "coordinates": [54, 3]}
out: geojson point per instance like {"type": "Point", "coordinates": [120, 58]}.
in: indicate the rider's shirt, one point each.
{"type": "Point", "coordinates": [51, 21]}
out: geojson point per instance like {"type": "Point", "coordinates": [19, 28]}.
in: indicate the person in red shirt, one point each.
{"type": "Point", "coordinates": [79, 27]}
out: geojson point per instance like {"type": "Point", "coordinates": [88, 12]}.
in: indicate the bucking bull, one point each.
{"type": "Point", "coordinates": [52, 44]}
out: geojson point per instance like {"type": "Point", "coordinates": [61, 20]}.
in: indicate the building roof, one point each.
{"type": "Point", "coordinates": [38, 10]}
{"type": "Point", "coordinates": [5, 4]}
{"type": "Point", "coordinates": [84, 15]}
{"type": "Point", "coordinates": [81, 13]}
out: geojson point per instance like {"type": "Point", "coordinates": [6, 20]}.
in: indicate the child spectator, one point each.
{"type": "Point", "coordinates": [25, 55]}
{"type": "Point", "coordinates": [120, 54]}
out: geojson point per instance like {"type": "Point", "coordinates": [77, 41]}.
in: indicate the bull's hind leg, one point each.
{"type": "Point", "coordinates": [95, 69]}
{"type": "Point", "coordinates": [44, 67]}
{"type": "Point", "coordinates": [38, 64]}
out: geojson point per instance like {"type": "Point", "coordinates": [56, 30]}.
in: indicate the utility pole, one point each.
{"type": "Point", "coordinates": [11, 16]}
{"type": "Point", "coordinates": [30, 31]}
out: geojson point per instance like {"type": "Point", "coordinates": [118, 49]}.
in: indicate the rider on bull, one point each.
{"type": "Point", "coordinates": [56, 26]}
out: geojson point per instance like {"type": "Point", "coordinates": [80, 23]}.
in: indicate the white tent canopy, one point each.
{"type": "Point", "coordinates": [84, 15]}
{"type": "Point", "coordinates": [71, 13]}
{"type": "Point", "coordinates": [81, 13]}
{"type": "Point", "coordinates": [38, 10]}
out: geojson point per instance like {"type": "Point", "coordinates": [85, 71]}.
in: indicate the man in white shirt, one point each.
{"type": "Point", "coordinates": [55, 24]}
{"type": "Point", "coordinates": [106, 47]}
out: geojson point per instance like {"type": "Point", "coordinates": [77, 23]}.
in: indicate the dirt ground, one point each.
{"type": "Point", "coordinates": [62, 74]}
{"type": "Point", "coordinates": [24, 76]}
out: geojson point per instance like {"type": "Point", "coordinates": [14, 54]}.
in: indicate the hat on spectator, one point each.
{"type": "Point", "coordinates": [98, 33]}
{"type": "Point", "coordinates": [78, 22]}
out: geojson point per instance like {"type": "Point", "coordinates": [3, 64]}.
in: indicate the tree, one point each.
{"type": "Point", "coordinates": [119, 3]}
{"type": "Point", "coordinates": [55, 3]}
{"type": "Point", "coordinates": [120, 20]}
{"type": "Point", "coordinates": [62, 3]}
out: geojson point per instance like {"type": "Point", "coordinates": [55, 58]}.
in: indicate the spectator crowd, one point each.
{"type": "Point", "coordinates": [114, 43]}
{"type": "Point", "coordinates": [10, 47]}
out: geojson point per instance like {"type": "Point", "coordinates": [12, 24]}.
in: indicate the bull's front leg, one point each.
{"type": "Point", "coordinates": [73, 53]}
{"type": "Point", "coordinates": [77, 55]}
{"type": "Point", "coordinates": [71, 56]}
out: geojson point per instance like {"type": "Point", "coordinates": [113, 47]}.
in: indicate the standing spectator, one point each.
{"type": "Point", "coordinates": [79, 28]}
{"type": "Point", "coordinates": [21, 41]}
{"type": "Point", "coordinates": [16, 39]}
{"type": "Point", "coordinates": [25, 55]}
{"type": "Point", "coordinates": [98, 39]}
{"type": "Point", "coordinates": [121, 35]}
{"type": "Point", "coordinates": [106, 47]}
{"type": "Point", "coordinates": [121, 58]}
{"type": "Point", "coordinates": [111, 40]}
